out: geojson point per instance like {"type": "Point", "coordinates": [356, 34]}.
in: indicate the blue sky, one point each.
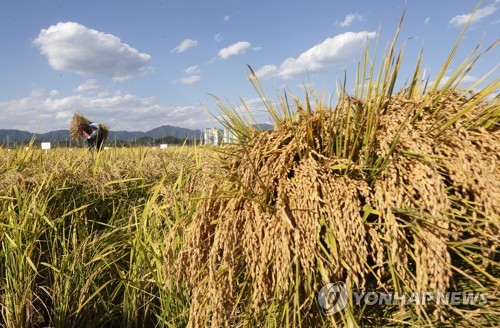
{"type": "Point", "coordinates": [136, 65]}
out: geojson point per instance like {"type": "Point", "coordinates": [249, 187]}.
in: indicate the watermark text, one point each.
{"type": "Point", "coordinates": [333, 298]}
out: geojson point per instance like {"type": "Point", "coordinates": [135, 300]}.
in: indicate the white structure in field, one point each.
{"type": "Point", "coordinates": [163, 146]}
{"type": "Point", "coordinates": [45, 145]}
{"type": "Point", "coordinates": [212, 136]}
{"type": "Point", "coordinates": [215, 136]}
{"type": "Point", "coordinates": [229, 137]}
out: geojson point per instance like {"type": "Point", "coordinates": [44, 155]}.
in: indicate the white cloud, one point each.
{"type": "Point", "coordinates": [41, 92]}
{"type": "Point", "coordinates": [185, 45]}
{"type": "Point", "coordinates": [193, 69]}
{"type": "Point", "coordinates": [188, 80]}
{"type": "Point", "coordinates": [88, 86]}
{"type": "Point", "coordinates": [266, 72]}
{"type": "Point", "coordinates": [349, 19]}
{"type": "Point", "coordinates": [259, 110]}
{"type": "Point", "coordinates": [75, 48]}
{"type": "Point", "coordinates": [119, 110]}
{"type": "Point", "coordinates": [427, 20]}
{"type": "Point", "coordinates": [330, 53]}
{"type": "Point", "coordinates": [218, 37]}
{"type": "Point", "coordinates": [37, 92]}
{"type": "Point", "coordinates": [237, 48]}
{"type": "Point", "coordinates": [252, 110]}
{"type": "Point", "coordinates": [467, 79]}
{"type": "Point", "coordinates": [480, 14]}
{"type": "Point", "coordinates": [227, 18]}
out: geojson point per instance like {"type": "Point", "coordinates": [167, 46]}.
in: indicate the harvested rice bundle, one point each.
{"type": "Point", "coordinates": [387, 192]}
{"type": "Point", "coordinates": [75, 130]}
{"type": "Point", "coordinates": [104, 131]}
{"type": "Point", "coordinates": [302, 206]}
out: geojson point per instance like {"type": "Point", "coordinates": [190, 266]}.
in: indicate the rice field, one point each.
{"type": "Point", "coordinates": [84, 236]}
{"type": "Point", "coordinates": [384, 191]}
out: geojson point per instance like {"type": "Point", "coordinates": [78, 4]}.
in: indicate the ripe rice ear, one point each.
{"type": "Point", "coordinates": [286, 216]}
{"type": "Point", "coordinates": [104, 130]}
{"type": "Point", "coordinates": [386, 192]}
{"type": "Point", "coordinates": [74, 129]}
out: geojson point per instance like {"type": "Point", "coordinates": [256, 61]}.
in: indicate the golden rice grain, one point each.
{"type": "Point", "coordinates": [286, 213]}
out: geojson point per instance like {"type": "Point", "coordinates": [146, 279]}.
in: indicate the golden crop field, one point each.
{"type": "Point", "coordinates": [84, 235]}
{"type": "Point", "coordinates": [387, 191]}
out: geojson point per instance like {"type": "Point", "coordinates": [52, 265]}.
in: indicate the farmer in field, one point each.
{"type": "Point", "coordinates": [94, 133]}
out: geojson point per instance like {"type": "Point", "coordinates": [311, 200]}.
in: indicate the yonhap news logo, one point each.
{"type": "Point", "coordinates": [333, 298]}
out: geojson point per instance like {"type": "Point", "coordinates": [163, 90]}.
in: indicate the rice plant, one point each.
{"type": "Point", "coordinates": [83, 237]}
{"type": "Point", "coordinates": [386, 191]}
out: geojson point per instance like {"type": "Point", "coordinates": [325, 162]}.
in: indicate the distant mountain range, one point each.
{"type": "Point", "coordinates": [12, 136]}
{"type": "Point", "coordinates": [163, 132]}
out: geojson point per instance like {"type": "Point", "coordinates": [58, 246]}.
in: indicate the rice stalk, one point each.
{"type": "Point", "coordinates": [376, 192]}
